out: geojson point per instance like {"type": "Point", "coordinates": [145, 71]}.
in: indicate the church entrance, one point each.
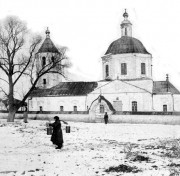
{"type": "Point", "coordinates": [98, 108]}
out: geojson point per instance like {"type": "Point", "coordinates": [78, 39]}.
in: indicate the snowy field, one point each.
{"type": "Point", "coordinates": [91, 149]}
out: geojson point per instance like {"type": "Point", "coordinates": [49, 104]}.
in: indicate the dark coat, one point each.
{"type": "Point", "coordinates": [57, 135]}
{"type": "Point", "coordinates": [105, 116]}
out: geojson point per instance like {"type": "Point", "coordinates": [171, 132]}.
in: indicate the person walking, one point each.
{"type": "Point", "coordinates": [105, 118]}
{"type": "Point", "coordinates": [57, 135]}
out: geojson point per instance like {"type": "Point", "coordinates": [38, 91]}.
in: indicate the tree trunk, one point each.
{"type": "Point", "coordinates": [11, 116]}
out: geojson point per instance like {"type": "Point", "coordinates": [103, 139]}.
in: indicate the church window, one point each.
{"type": "Point", "coordinates": [75, 108]}
{"type": "Point", "coordinates": [43, 61]}
{"type": "Point", "coordinates": [101, 109]}
{"type": "Point", "coordinates": [125, 31]}
{"type": "Point", "coordinates": [123, 69]}
{"type": "Point", "coordinates": [44, 81]}
{"type": "Point", "coordinates": [52, 59]}
{"type": "Point", "coordinates": [134, 106]}
{"type": "Point", "coordinates": [107, 70]}
{"type": "Point", "coordinates": [40, 108]}
{"type": "Point", "coordinates": [61, 108]}
{"type": "Point", "coordinates": [164, 108]}
{"type": "Point", "coordinates": [143, 68]}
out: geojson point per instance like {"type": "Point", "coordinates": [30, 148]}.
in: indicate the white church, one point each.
{"type": "Point", "coordinates": [127, 85]}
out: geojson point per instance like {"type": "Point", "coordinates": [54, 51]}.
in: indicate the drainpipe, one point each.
{"type": "Point", "coordinates": [152, 102]}
{"type": "Point", "coordinates": [173, 101]}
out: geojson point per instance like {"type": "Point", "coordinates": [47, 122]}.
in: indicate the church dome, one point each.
{"type": "Point", "coordinates": [126, 44]}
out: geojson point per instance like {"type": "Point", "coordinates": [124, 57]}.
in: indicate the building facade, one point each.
{"type": "Point", "coordinates": [127, 84]}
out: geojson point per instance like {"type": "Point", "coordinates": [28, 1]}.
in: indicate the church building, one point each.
{"type": "Point", "coordinates": [127, 84]}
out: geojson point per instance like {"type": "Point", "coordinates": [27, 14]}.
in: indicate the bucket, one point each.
{"type": "Point", "coordinates": [49, 130]}
{"type": "Point", "coordinates": [68, 129]}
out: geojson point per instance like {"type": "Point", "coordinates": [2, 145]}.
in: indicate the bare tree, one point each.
{"type": "Point", "coordinates": [18, 61]}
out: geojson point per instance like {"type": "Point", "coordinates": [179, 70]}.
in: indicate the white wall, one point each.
{"type": "Point", "coordinates": [133, 62]}
{"type": "Point", "coordinates": [163, 99]}
{"type": "Point", "coordinates": [54, 103]}
{"type": "Point", "coordinates": [125, 93]}
{"type": "Point", "coordinates": [131, 119]}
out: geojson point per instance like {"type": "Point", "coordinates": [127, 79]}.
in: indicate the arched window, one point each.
{"type": "Point", "coordinates": [43, 61]}
{"type": "Point", "coordinates": [123, 69]}
{"type": "Point", "coordinates": [75, 108]}
{"type": "Point", "coordinates": [125, 31]}
{"type": "Point", "coordinates": [52, 59]}
{"type": "Point", "coordinates": [107, 70]}
{"type": "Point", "coordinates": [40, 108]}
{"type": "Point", "coordinates": [61, 108]}
{"type": "Point", "coordinates": [101, 109]}
{"type": "Point", "coordinates": [164, 108]}
{"type": "Point", "coordinates": [134, 106]}
{"type": "Point", "coordinates": [143, 68]}
{"type": "Point", "coordinates": [44, 82]}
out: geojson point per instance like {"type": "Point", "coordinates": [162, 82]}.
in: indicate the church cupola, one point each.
{"type": "Point", "coordinates": [47, 54]}
{"type": "Point", "coordinates": [126, 26]}
{"type": "Point", "coordinates": [47, 33]}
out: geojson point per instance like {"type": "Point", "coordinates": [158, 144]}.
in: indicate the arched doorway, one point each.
{"type": "Point", "coordinates": [98, 108]}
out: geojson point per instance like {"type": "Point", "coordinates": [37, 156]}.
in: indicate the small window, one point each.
{"type": "Point", "coordinates": [123, 69]}
{"type": "Point", "coordinates": [125, 31]}
{"type": "Point", "coordinates": [143, 68]}
{"type": "Point", "coordinates": [107, 70]}
{"type": "Point", "coordinates": [52, 59]}
{"type": "Point", "coordinates": [134, 106]}
{"type": "Point", "coordinates": [44, 81]}
{"type": "Point", "coordinates": [75, 108]}
{"type": "Point", "coordinates": [43, 61]}
{"type": "Point", "coordinates": [164, 108]}
{"type": "Point", "coordinates": [61, 108]}
{"type": "Point", "coordinates": [40, 108]}
{"type": "Point", "coordinates": [101, 109]}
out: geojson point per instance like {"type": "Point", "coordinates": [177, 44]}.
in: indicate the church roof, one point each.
{"type": "Point", "coordinates": [126, 44]}
{"type": "Point", "coordinates": [66, 89]}
{"type": "Point", "coordinates": [164, 87]}
{"type": "Point", "coordinates": [48, 46]}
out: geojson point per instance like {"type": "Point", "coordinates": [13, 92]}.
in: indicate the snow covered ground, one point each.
{"type": "Point", "coordinates": [91, 149]}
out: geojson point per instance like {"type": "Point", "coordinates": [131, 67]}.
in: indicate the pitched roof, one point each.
{"type": "Point", "coordinates": [66, 89]}
{"type": "Point", "coordinates": [48, 46]}
{"type": "Point", "coordinates": [100, 98]}
{"type": "Point", "coordinates": [126, 44]}
{"type": "Point", "coordinates": [164, 87]}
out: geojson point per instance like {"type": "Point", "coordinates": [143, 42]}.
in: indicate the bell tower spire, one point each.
{"type": "Point", "coordinates": [47, 33]}
{"type": "Point", "coordinates": [126, 26]}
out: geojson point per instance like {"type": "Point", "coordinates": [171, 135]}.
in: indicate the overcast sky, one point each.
{"type": "Point", "coordinates": [87, 27]}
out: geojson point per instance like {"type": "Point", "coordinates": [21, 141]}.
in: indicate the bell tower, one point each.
{"type": "Point", "coordinates": [126, 26]}
{"type": "Point", "coordinates": [47, 54]}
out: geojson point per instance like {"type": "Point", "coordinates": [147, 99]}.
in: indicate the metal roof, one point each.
{"type": "Point", "coordinates": [126, 44]}
{"type": "Point", "coordinates": [66, 89]}
{"type": "Point", "coordinates": [160, 87]}
{"type": "Point", "coordinates": [48, 46]}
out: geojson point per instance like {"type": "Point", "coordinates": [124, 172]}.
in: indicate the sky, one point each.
{"type": "Point", "coordinates": [87, 28]}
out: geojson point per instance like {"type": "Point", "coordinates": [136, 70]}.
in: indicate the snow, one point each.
{"type": "Point", "coordinates": [89, 149]}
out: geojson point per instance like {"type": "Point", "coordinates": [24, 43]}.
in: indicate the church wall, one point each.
{"type": "Point", "coordinates": [51, 79]}
{"type": "Point", "coordinates": [118, 90]}
{"type": "Point", "coordinates": [144, 84]}
{"type": "Point", "coordinates": [54, 103]}
{"type": "Point", "coordinates": [143, 100]}
{"type": "Point", "coordinates": [176, 102]}
{"type": "Point", "coordinates": [163, 99]}
{"type": "Point", "coordinates": [133, 62]}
